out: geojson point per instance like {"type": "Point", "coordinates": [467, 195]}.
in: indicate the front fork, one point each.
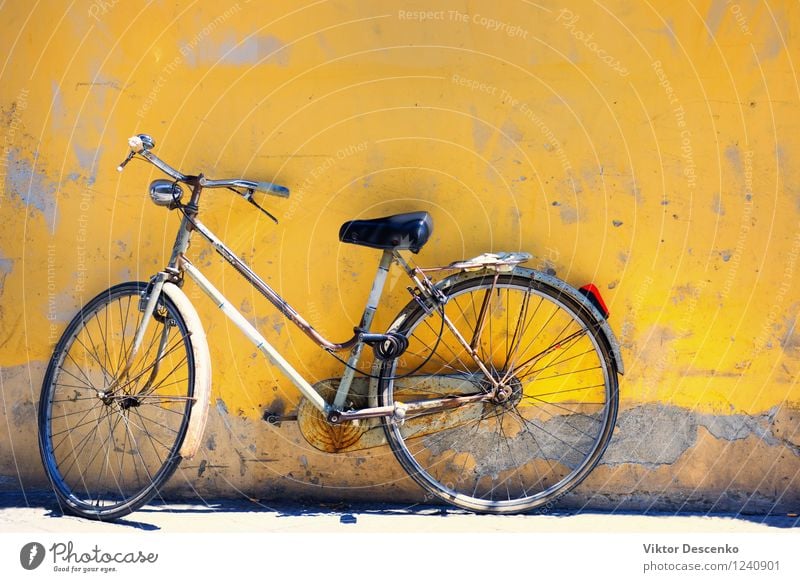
{"type": "Point", "coordinates": [147, 305]}
{"type": "Point", "coordinates": [152, 296]}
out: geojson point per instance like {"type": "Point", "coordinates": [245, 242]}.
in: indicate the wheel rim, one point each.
{"type": "Point", "coordinates": [109, 443]}
{"type": "Point", "coordinates": [539, 440]}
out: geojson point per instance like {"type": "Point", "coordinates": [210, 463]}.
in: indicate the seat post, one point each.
{"type": "Point", "coordinates": [364, 325]}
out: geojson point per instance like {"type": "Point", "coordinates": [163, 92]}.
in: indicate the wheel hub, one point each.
{"type": "Point", "coordinates": [127, 402]}
{"type": "Point", "coordinates": [508, 393]}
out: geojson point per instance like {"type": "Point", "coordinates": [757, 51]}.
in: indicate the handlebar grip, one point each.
{"type": "Point", "coordinates": [276, 189]}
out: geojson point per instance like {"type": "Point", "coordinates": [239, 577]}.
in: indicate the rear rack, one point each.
{"type": "Point", "coordinates": [499, 262]}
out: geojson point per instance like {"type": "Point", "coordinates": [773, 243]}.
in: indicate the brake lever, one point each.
{"type": "Point", "coordinates": [249, 197]}
{"type": "Point", "coordinates": [126, 160]}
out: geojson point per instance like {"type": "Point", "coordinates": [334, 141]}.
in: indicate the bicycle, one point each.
{"type": "Point", "coordinates": [496, 387]}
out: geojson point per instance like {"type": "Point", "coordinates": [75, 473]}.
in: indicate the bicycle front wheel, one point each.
{"type": "Point", "coordinates": [546, 425]}
{"type": "Point", "coordinates": [109, 438]}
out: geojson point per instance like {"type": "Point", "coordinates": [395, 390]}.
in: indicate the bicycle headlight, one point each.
{"type": "Point", "coordinates": [165, 193]}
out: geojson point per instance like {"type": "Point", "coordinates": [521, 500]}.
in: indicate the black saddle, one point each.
{"type": "Point", "coordinates": [400, 232]}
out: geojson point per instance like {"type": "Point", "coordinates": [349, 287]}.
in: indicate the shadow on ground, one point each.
{"type": "Point", "coordinates": [346, 512]}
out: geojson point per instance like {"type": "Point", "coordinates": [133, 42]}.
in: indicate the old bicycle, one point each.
{"type": "Point", "coordinates": [495, 387]}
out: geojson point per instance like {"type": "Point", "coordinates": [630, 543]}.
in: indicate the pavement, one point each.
{"type": "Point", "coordinates": [39, 512]}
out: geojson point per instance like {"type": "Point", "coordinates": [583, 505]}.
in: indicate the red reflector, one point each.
{"type": "Point", "coordinates": [593, 294]}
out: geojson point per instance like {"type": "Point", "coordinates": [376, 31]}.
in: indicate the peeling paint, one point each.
{"type": "Point", "coordinates": [656, 434]}
{"type": "Point", "coordinates": [735, 159]}
{"type": "Point", "coordinates": [6, 265]}
{"type": "Point", "coordinates": [717, 206]}
{"type": "Point", "coordinates": [23, 413]}
{"type": "Point", "coordinates": [480, 131]}
{"type": "Point", "coordinates": [31, 187]}
{"type": "Point", "coordinates": [234, 50]}
{"type": "Point", "coordinates": [87, 158]}
{"type": "Point", "coordinates": [714, 16]}
{"type": "Point", "coordinates": [568, 215]}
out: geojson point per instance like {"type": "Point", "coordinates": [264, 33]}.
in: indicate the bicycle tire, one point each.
{"type": "Point", "coordinates": [560, 404]}
{"type": "Point", "coordinates": [107, 452]}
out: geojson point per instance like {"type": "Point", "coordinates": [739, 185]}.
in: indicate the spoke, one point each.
{"type": "Point", "coordinates": [518, 417]}
{"type": "Point", "coordinates": [160, 383]}
{"type": "Point", "coordinates": [559, 359]}
{"type": "Point", "coordinates": [112, 427]}
{"type": "Point", "coordinates": [72, 428]}
{"type": "Point", "coordinates": [80, 420]}
{"type": "Point", "coordinates": [132, 381]}
{"type": "Point", "coordinates": [89, 386]}
{"type": "Point", "coordinates": [563, 419]}
{"type": "Point", "coordinates": [584, 453]}
{"type": "Point", "coordinates": [513, 460]}
{"type": "Point", "coordinates": [77, 399]}
{"type": "Point", "coordinates": [92, 388]}
{"type": "Point", "coordinates": [75, 453]}
{"type": "Point", "coordinates": [444, 363]}
{"type": "Point", "coordinates": [153, 421]}
{"type": "Point", "coordinates": [535, 396]}
{"type": "Point", "coordinates": [152, 439]}
{"type": "Point", "coordinates": [574, 412]}
{"type": "Point", "coordinates": [524, 329]}
{"type": "Point", "coordinates": [591, 350]}
{"type": "Point", "coordinates": [135, 444]}
{"type": "Point", "coordinates": [166, 397]}
{"type": "Point", "coordinates": [104, 340]}
{"type": "Point", "coordinates": [447, 345]}
{"type": "Point", "coordinates": [123, 320]}
{"type": "Point", "coordinates": [83, 476]}
{"type": "Point", "coordinates": [513, 365]}
{"type": "Point", "coordinates": [557, 343]}
{"type": "Point", "coordinates": [82, 410]}
{"type": "Point", "coordinates": [80, 370]}
{"type": "Point", "coordinates": [143, 358]}
{"type": "Point", "coordinates": [93, 353]}
{"type": "Point", "coordinates": [516, 338]}
{"type": "Point", "coordinates": [465, 317]}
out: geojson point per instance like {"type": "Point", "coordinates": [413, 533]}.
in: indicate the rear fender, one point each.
{"type": "Point", "coordinates": [556, 283]}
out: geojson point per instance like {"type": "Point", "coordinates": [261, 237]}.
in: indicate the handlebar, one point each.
{"type": "Point", "coordinates": [142, 144]}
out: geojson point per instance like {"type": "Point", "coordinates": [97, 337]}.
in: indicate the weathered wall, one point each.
{"type": "Point", "coordinates": [651, 149]}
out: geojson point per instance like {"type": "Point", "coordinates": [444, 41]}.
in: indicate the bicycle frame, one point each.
{"type": "Point", "coordinates": [180, 264]}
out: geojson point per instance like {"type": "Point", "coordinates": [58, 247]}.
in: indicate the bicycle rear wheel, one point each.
{"type": "Point", "coordinates": [543, 431]}
{"type": "Point", "coordinates": [108, 441]}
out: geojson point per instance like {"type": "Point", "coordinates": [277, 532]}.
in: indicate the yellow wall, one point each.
{"type": "Point", "coordinates": [649, 147]}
